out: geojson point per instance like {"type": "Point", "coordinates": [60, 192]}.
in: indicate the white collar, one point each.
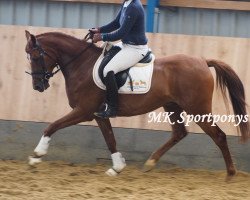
{"type": "Point", "coordinates": [126, 4]}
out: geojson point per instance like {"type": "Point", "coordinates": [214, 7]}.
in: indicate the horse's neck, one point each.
{"type": "Point", "coordinates": [72, 54]}
{"type": "Point", "coordinates": [78, 74]}
{"type": "Point", "coordinates": [78, 60]}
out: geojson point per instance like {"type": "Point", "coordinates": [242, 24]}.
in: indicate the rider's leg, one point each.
{"type": "Point", "coordinates": [127, 57]}
{"type": "Point", "coordinates": [111, 97]}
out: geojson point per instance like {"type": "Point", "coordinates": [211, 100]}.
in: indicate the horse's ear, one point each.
{"type": "Point", "coordinates": [31, 37]}
{"type": "Point", "coordinates": [27, 34]}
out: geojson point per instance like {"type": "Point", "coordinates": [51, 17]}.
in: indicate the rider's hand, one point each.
{"type": "Point", "coordinates": [97, 37]}
{"type": "Point", "coordinates": [94, 30]}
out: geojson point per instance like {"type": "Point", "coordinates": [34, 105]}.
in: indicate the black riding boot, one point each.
{"type": "Point", "coordinates": [111, 97]}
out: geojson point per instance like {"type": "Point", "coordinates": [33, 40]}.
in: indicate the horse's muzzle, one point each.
{"type": "Point", "coordinates": [41, 87]}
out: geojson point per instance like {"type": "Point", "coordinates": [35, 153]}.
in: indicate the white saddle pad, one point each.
{"type": "Point", "coordinates": [141, 75]}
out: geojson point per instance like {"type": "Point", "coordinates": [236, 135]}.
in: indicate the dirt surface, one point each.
{"type": "Point", "coordinates": [60, 180]}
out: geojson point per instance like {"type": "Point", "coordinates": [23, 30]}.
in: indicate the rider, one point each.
{"type": "Point", "coordinates": [129, 27]}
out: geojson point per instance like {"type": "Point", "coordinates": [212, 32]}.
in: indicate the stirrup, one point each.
{"type": "Point", "coordinates": [109, 112]}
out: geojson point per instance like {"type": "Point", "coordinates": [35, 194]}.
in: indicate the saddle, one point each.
{"type": "Point", "coordinates": [122, 76]}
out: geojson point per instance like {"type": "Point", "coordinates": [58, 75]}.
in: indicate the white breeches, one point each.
{"type": "Point", "coordinates": [128, 56]}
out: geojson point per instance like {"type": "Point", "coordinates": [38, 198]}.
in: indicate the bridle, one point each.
{"type": "Point", "coordinates": [45, 74]}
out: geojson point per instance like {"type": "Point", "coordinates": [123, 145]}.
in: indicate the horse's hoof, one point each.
{"type": "Point", "coordinates": [230, 175]}
{"type": "Point", "coordinates": [33, 160]}
{"type": "Point", "coordinates": [111, 172]}
{"type": "Point", "coordinates": [232, 172]}
{"type": "Point", "coordinates": [149, 165]}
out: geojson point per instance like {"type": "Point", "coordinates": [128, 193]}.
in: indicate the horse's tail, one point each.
{"type": "Point", "coordinates": [227, 78]}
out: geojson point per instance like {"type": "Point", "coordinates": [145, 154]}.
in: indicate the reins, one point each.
{"type": "Point", "coordinates": [85, 49]}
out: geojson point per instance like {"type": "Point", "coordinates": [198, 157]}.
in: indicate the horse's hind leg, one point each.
{"type": "Point", "coordinates": [219, 137]}
{"type": "Point", "coordinates": [178, 133]}
{"type": "Point", "coordinates": [117, 159]}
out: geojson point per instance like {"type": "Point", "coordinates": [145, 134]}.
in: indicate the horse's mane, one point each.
{"type": "Point", "coordinates": [58, 35]}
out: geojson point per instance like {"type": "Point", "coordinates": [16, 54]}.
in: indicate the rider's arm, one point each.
{"type": "Point", "coordinates": [129, 21]}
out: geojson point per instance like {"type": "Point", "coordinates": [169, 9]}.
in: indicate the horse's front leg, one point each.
{"type": "Point", "coordinates": [74, 117]}
{"type": "Point", "coordinates": [118, 161]}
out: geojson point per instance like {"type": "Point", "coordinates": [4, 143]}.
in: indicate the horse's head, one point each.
{"type": "Point", "coordinates": [41, 62]}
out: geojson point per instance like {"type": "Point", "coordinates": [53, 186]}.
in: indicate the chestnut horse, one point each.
{"type": "Point", "coordinates": [179, 83]}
